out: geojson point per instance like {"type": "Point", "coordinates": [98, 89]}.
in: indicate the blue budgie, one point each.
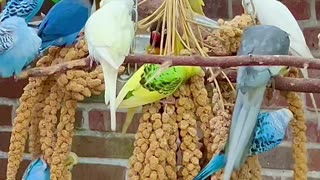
{"type": "Point", "coordinates": [37, 170]}
{"type": "Point", "coordinates": [22, 8]}
{"type": "Point", "coordinates": [251, 86]}
{"type": "Point", "coordinates": [19, 46]}
{"type": "Point", "coordinates": [63, 22]}
{"type": "Point", "coordinates": [268, 133]}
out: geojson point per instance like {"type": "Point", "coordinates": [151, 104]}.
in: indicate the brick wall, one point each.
{"type": "Point", "coordinates": [104, 155]}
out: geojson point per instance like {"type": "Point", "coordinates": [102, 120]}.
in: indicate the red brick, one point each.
{"type": "Point", "coordinates": [216, 9]}
{"type": "Point", "coordinates": [5, 112]}
{"type": "Point", "coordinates": [313, 134]}
{"type": "Point", "coordinates": [99, 120]}
{"type": "Point", "coordinates": [3, 168]}
{"type": "Point", "coordinates": [79, 119]}
{"type": "Point", "coordinates": [313, 160]}
{"type": "Point", "coordinates": [12, 89]}
{"type": "Point", "coordinates": [148, 8]}
{"type": "Point", "coordinates": [299, 8]}
{"type": "Point", "coordinates": [311, 35]}
{"type": "Point", "coordinates": [278, 158]}
{"type": "Point", "coordinates": [98, 172]}
{"type": "Point", "coordinates": [318, 9]}
{"type": "Point", "coordinates": [5, 141]}
{"type": "Point", "coordinates": [237, 8]}
{"type": "Point", "coordinates": [107, 146]}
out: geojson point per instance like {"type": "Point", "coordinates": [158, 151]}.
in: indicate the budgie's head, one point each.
{"type": "Point", "coordinates": [284, 116]}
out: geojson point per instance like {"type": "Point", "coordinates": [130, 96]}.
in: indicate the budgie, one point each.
{"type": "Point", "coordinates": [251, 86]}
{"type": "Point", "coordinates": [109, 33]}
{"type": "Point", "coordinates": [63, 22]}
{"type": "Point", "coordinates": [19, 46]}
{"type": "Point", "coordinates": [38, 169]}
{"type": "Point", "coordinates": [273, 12]}
{"type": "Point", "coordinates": [269, 132]}
{"type": "Point", "coordinates": [22, 8]}
{"type": "Point", "coordinates": [146, 87]}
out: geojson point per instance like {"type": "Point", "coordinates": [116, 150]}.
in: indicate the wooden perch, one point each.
{"type": "Point", "coordinates": [228, 61]}
{"type": "Point", "coordinates": [281, 83]}
{"type": "Point", "coordinates": [45, 71]}
{"type": "Point", "coordinates": [284, 83]}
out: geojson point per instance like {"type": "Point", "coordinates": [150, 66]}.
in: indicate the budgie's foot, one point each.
{"type": "Point", "coordinates": [80, 36]}
{"type": "Point", "coordinates": [42, 15]}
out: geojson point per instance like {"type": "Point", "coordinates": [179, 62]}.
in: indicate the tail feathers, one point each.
{"type": "Point", "coordinates": [243, 124]}
{"type": "Point", "coordinates": [110, 79]}
{"type": "Point", "coordinates": [105, 54]}
{"type": "Point", "coordinates": [212, 167]}
{"type": "Point", "coordinates": [130, 114]}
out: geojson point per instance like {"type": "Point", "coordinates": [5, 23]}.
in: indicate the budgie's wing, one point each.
{"type": "Point", "coordinates": [197, 5]}
{"type": "Point", "coordinates": [130, 85]}
{"type": "Point", "coordinates": [63, 19]}
{"type": "Point", "coordinates": [155, 87]}
{"type": "Point", "coordinates": [242, 127]}
{"type": "Point", "coordinates": [7, 40]}
{"type": "Point", "coordinates": [26, 9]}
{"type": "Point", "coordinates": [265, 137]}
{"type": "Point", "coordinates": [270, 130]}
{"type": "Point", "coordinates": [108, 35]}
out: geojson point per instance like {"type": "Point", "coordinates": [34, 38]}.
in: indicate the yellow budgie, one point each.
{"type": "Point", "coordinates": [109, 33]}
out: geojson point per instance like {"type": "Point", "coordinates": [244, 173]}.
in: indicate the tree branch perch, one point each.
{"type": "Point", "coordinates": [281, 83]}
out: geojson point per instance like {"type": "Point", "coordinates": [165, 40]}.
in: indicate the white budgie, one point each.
{"type": "Point", "coordinates": [109, 33]}
{"type": "Point", "coordinates": [273, 12]}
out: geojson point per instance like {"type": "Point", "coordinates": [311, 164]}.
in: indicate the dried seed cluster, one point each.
{"type": "Point", "coordinates": [48, 106]}
{"type": "Point", "coordinates": [226, 41]}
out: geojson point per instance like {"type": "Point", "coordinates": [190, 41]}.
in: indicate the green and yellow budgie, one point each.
{"type": "Point", "coordinates": [146, 87]}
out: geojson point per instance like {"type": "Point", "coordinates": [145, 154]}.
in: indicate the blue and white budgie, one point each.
{"type": "Point", "coordinates": [274, 13]}
{"type": "Point", "coordinates": [269, 132]}
{"type": "Point", "coordinates": [63, 22]}
{"type": "Point", "coordinates": [251, 86]}
{"type": "Point", "coordinates": [37, 170]}
{"type": "Point", "coordinates": [26, 9]}
{"type": "Point", "coordinates": [109, 33]}
{"type": "Point", "coordinates": [19, 46]}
